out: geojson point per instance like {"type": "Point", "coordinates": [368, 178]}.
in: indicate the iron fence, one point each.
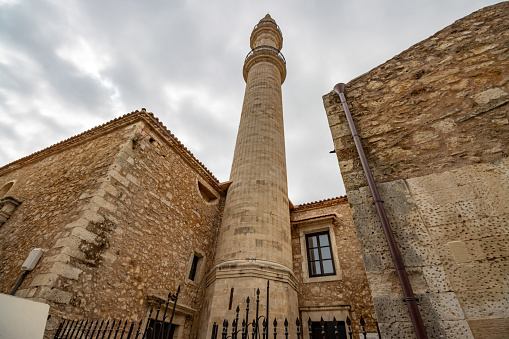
{"type": "Point", "coordinates": [246, 328]}
{"type": "Point", "coordinates": [122, 329]}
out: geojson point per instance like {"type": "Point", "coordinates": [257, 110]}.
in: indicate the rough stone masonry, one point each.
{"type": "Point", "coordinates": [434, 124]}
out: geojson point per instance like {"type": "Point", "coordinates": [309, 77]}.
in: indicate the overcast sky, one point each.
{"type": "Point", "coordinates": [69, 65]}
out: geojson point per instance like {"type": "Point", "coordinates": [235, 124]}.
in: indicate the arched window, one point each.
{"type": "Point", "coordinates": [5, 188]}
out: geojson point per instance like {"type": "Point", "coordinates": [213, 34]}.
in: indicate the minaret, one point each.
{"type": "Point", "coordinates": [254, 243]}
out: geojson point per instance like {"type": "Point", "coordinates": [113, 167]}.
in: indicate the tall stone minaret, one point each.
{"type": "Point", "coordinates": [255, 242]}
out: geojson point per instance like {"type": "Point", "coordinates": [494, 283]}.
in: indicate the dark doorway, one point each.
{"type": "Point", "coordinates": [329, 330]}
{"type": "Point", "coordinates": [155, 328]}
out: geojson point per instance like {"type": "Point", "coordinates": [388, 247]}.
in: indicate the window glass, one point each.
{"type": "Point", "coordinates": [194, 266]}
{"type": "Point", "coordinates": [325, 252]}
{"type": "Point", "coordinates": [319, 252]}
{"type": "Point", "coordinates": [312, 242]}
{"type": "Point", "coordinates": [327, 267]}
{"type": "Point", "coordinates": [324, 240]}
{"type": "Point", "coordinates": [313, 255]}
{"type": "Point", "coordinates": [315, 268]}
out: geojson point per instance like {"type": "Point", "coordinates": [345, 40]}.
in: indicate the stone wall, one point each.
{"type": "Point", "coordinates": [345, 294]}
{"type": "Point", "coordinates": [434, 124]}
{"type": "Point", "coordinates": [125, 234]}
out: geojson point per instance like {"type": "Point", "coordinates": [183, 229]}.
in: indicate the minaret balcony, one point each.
{"type": "Point", "coordinates": [269, 49]}
{"type": "Point", "coordinates": [265, 53]}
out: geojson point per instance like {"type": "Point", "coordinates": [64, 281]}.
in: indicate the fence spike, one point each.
{"type": "Point", "coordinates": [120, 324]}
{"type": "Point", "coordinates": [99, 330]}
{"type": "Point", "coordinates": [247, 311]}
{"type": "Point", "coordinates": [59, 328]}
{"type": "Point", "coordinates": [310, 327]}
{"type": "Point", "coordinates": [349, 323]}
{"type": "Point", "coordinates": [78, 329]}
{"type": "Point", "coordinates": [148, 320]}
{"type": "Point", "coordinates": [130, 330]}
{"type": "Point", "coordinates": [105, 328]}
{"type": "Point", "coordinates": [297, 322]}
{"type": "Point", "coordinates": [90, 327]}
{"type": "Point", "coordinates": [65, 322]}
{"type": "Point", "coordinates": [111, 328]}
{"type": "Point", "coordinates": [275, 328]}
{"type": "Point", "coordinates": [363, 323]}
{"type": "Point", "coordinates": [69, 328]}
{"type": "Point", "coordinates": [214, 329]}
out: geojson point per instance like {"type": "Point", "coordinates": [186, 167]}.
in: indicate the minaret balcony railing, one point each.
{"type": "Point", "coordinates": [269, 49]}
{"type": "Point", "coordinates": [263, 23]}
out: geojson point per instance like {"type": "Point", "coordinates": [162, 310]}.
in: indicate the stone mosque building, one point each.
{"type": "Point", "coordinates": [125, 213]}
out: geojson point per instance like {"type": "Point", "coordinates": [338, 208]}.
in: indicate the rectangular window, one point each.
{"type": "Point", "coordinates": [319, 253]}
{"type": "Point", "coordinates": [194, 266]}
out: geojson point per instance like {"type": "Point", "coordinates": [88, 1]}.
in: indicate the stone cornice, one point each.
{"type": "Point", "coordinates": [252, 268]}
{"type": "Point", "coordinates": [326, 218]}
{"type": "Point", "coordinates": [322, 203]}
{"type": "Point", "coordinates": [265, 55]}
{"type": "Point", "coordinates": [113, 125]}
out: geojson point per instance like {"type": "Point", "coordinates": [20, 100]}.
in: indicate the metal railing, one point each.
{"type": "Point", "coordinates": [257, 330]}
{"type": "Point", "coordinates": [267, 22]}
{"type": "Point", "coordinates": [120, 329]}
{"type": "Point", "coordinates": [269, 49]}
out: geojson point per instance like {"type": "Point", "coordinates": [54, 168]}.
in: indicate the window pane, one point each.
{"type": "Point", "coordinates": [313, 254]}
{"type": "Point", "coordinates": [312, 241]}
{"type": "Point", "coordinates": [325, 252]}
{"type": "Point", "coordinates": [327, 267]}
{"type": "Point", "coordinates": [324, 240]}
{"type": "Point", "coordinates": [315, 268]}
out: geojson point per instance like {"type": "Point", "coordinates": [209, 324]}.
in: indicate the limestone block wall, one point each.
{"type": "Point", "coordinates": [50, 190]}
{"type": "Point", "coordinates": [345, 294]}
{"type": "Point", "coordinates": [434, 125]}
{"type": "Point", "coordinates": [133, 231]}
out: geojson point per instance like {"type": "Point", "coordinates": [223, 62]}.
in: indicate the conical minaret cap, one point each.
{"type": "Point", "coordinates": [266, 33]}
{"type": "Point", "coordinates": [267, 18]}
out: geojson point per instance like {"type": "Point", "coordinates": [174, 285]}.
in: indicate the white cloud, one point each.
{"type": "Point", "coordinates": [69, 65]}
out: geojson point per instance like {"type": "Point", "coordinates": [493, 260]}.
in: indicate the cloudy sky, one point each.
{"type": "Point", "coordinates": [69, 65]}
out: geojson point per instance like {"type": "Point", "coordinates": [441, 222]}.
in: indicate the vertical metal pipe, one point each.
{"type": "Point", "coordinates": [267, 310]}
{"type": "Point", "coordinates": [409, 297]}
{"type": "Point", "coordinates": [257, 307]}
{"type": "Point", "coordinates": [20, 280]}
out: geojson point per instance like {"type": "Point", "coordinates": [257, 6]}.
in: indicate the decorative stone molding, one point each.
{"type": "Point", "coordinates": [7, 207]}
{"type": "Point", "coordinates": [252, 268]}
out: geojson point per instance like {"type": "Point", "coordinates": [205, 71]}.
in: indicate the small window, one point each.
{"type": "Point", "coordinates": [320, 260]}
{"type": "Point", "coordinates": [194, 266]}
{"type": "Point", "coordinates": [206, 194]}
{"type": "Point", "coordinates": [6, 188]}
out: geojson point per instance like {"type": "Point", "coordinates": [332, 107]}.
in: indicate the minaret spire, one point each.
{"type": "Point", "coordinates": [254, 243]}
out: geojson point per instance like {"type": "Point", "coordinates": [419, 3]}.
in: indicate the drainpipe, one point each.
{"type": "Point", "coordinates": [409, 297]}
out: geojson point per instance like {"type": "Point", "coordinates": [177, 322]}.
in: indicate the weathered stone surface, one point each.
{"type": "Point", "coordinates": [349, 287]}
{"type": "Point", "coordinates": [108, 236]}
{"type": "Point", "coordinates": [434, 126]}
